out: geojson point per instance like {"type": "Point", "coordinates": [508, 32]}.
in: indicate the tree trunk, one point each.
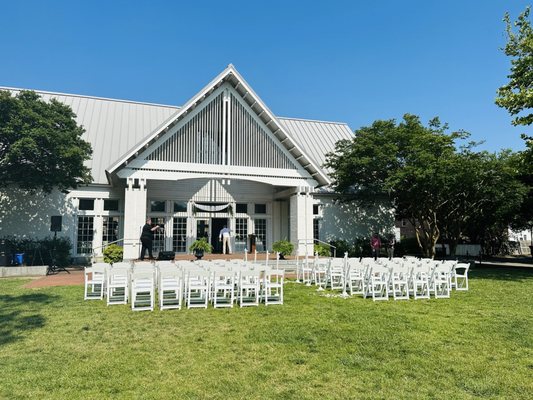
{"type": "Point", "coordinates": [427, 234]}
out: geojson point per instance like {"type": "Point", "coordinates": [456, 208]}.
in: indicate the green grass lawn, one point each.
{"type": "Point", "coordinates": [477, 344]}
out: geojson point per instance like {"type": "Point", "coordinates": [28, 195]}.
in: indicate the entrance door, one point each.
{"type": "Point", "coordinates": [217, 224]}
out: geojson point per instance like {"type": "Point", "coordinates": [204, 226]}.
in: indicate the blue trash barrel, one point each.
{"type": "Point", "coordinates": [18, 259]}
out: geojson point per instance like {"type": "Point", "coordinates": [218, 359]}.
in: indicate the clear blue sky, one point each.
{"type": "Point", "coordinates": [352, 61]}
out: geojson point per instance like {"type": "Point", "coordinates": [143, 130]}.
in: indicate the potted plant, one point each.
{"type": "Point", "coordinates": [113, 253]}
{"type": "Point", "coordinates": [283, 247]}
{"type": "Point", "coordinates": [199, 247]}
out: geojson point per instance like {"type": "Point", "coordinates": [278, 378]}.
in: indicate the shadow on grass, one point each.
{"type": "Point", "coordinates": [501, 273]}
{"type": "Point", "coordinates": [18, 315]}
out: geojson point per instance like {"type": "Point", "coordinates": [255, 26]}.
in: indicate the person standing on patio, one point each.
{"type": "Point", "coordinates": [224, 235]}
{"type": "Point", "coordinates": [147, 237]}
{"type": "Point", "coordinates": [375, 244]}
{"type": "Point", "coordinates": [390, 246]}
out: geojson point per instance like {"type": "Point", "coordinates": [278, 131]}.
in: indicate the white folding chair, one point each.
{"type": "Point", "coordinates": [420, 275]}
{"type": "Point", "coordinates": [355, 276]}
{"type": "Point", "coordinates": [378, 284]}
{"type": "Point", "coordinates": [320, 271]}
{"type": "Point", "coordinates": [451, 267]}
{"type": "Point", "coordinates": [307, 268]}
{"type": "Point", "coordinates": [335, 274]}
{"type": "Point", "coordinates": [461, 276]}
{"type": "Point", "coordinates": [118, 283]}
{"type": "Point", "coordinates": [273, 286]}
{"type": "Point", "coordinates": [249, 287]}
{"type": "Point", "coordinates": [223, 284]}
{"type": "Point", "coordinates": [95, 280]}
{"type": "Point", "coordinates": [170, 287]}
{"type": "Point", "coordinates": [142, 290]}
{"type": "Point", "coordinates": [198, 287]}
{"type": "Point", "coordinates": [399, 281]}
{"type": "Point", "coordinates": [440, 281]}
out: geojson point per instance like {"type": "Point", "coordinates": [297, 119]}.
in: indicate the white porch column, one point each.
{"type": "Point", "coordinates": [98, 224]}
{"type": "Point", "coordinates": [301, 223]}
{"type": "Point", "coordinates": [134, 217]}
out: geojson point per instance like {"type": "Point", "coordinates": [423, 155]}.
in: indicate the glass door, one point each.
{"type": "Point", "coordinates": [241, 234]}
{"type": "Point", "coordinates": [202, 228]}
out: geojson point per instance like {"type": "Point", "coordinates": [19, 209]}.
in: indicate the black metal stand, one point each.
{"type": "Point", "coordinates": [52, 267]}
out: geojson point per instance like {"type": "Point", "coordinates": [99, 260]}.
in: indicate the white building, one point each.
{"type": "Point", "coordinates": [223, 158]}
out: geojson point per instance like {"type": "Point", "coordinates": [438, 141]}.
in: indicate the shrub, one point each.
{"type": "Point", "coordinates": [322, 250]}
{"type": "Point", "coordinates": [283, 247]}
{"type": "Point", "coordinates": [407, 246]}
{"type": "Point", "coordinates": [342, 246]}
{"type": "Point", "coordinates": [201, 245]}
{"type": "Point", "coordinates": [113, 253]}
{"type": "Point", "coordinates": [42, 251]}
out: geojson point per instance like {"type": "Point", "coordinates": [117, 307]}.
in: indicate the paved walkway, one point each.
{"type": "Point", "coordinates": [60, 279]}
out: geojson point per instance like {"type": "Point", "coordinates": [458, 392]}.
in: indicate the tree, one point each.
{"type": "Point", "coordinates": [524, 217]}
{"type": "Point", "coordinates": [407, 164]}
{"type": "Point", "coordinates": [517, 95]}
{"type": "Point", "coordinates": [484, 196]}
{"type": "Point", "coordinates": [41, 146]}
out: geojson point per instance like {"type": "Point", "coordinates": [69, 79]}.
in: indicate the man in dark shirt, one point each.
{"type": "Point", "coordinates": [147, 236]}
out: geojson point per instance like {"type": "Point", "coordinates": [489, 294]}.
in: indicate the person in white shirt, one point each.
{"type": "Point", "coordinates": [224, 235]}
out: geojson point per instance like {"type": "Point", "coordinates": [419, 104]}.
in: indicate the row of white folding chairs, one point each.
{"type": "Point", "coordinates": [119, 281]}
{"type": "Point", "coordinates": [403, 279]}
{"type": "Point", "coordinates": [382, 277]}
{"type": "Point", "coordinates": [223, 286]}
{"type": "Point", "coordinates": [174, 282]}
{"type": "Point", "coordinates": [321, 272]}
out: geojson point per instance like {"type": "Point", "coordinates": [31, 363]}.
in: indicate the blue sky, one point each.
{"type": "Point", "coordinates": [351, 61]}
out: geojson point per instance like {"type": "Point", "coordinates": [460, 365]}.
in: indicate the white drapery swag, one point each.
{"type": "Point", "coordinates": [208, 208]}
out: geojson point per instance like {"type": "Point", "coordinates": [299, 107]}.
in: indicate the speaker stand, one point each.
{"type": "Point", "coordinates": [53, 268]}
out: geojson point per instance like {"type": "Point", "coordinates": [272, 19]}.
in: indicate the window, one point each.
{"type": "Point", "coordinates": [86, 204]}
{"type": "Point", "coordinates": [242, 208]}
{"type": "Point", "coordinates": [404, 222]}
{"type": "Point", "coordinates": [316, 209]}
{"type": "Point", "coordinates": [316, 229]}
{"type": "Point", "coordinates": [110, 205]}
{"type": "Point", "coordinates": [180, 206]}
{"type": "Point", "coordinates": [241, 234]}
{"type": "Point", "coordinates": [260, 208]}
{"type": "Point", "coordinates": [179, 235]}
{"type": "Point", "coordinates": [261, 232]}
{"type": "Point", "coordinates": [110, 230]}
{"type": "Point", "coordinates": [84, 243]}
{"type": "Point", "coordinates": [157, 206]}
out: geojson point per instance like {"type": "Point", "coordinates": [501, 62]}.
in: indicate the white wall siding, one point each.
{"type": "Point", "coordinates": [28, 216]}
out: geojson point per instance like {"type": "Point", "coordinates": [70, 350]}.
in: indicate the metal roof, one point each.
{"type": "Point", "coordinates": [114, 127]}
{"type": "Point", "coordinates": [111, 126]}
{"type": "Point", "coordinates": [317, 138]}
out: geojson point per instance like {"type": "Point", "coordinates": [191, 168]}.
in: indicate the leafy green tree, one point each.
{"type": "Point", "coordinates": [524, 216]}
{"type": "Point", "coordinates": [406, 164]}
{"type": "Point", "coordinates": [41, 146]}
{"type": "Point", "coordinates": [517, 95]}
{"type": "Point", "coordinates": [485, 193]}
